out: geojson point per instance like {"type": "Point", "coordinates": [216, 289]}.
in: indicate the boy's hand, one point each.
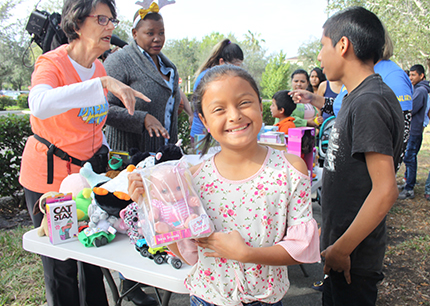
{"type": "Point", "coordinates": [336, 261]}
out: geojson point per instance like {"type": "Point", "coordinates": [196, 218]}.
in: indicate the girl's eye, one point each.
{"type": "Point", "coordinates": [178, 188]}
{"type": "Point", "coordinates": [164, 191]}
{"type": "Point", "coordinates": [161, 33]}
{"type": "Point", "coordinates": [150, 33]}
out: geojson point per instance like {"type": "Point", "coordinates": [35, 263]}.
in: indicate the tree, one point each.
{"type": "Point", "coordinates": [308, 53]}
{"type": "Point", "coordinates": [276, 76]}
{"type": "Point", "coordinates": [184, 53]}
{"type": "Point", "coordinates": [408, 23]}
{"type": "Point", "coordinates": [255, 59]}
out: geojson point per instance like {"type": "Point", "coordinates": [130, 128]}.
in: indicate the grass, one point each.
{"type": "Point", "coordinates": [21, 272]}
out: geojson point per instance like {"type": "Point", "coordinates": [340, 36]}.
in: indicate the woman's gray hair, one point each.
{"type": "Point", "coordinates": [75, 12]}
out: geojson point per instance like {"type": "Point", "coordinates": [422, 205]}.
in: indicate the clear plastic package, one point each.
{"type": "Point", "coordinates": [170, 209]}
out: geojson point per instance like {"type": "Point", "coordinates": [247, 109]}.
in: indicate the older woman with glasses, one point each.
{"type": "Point", "coordinates": [68, 110]}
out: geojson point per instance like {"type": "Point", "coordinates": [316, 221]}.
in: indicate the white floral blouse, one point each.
{"type": "Point", "coordinates": [271, 207]}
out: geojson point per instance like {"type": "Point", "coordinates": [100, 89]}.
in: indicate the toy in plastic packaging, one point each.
{"type": "Point", "coordinates": [170, 209]}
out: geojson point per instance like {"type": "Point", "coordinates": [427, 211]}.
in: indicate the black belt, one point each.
{"type": "Point", "coordinates": [53, 150]}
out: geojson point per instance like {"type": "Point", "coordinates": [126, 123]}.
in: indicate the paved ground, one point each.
{"type": "Point", "coordinates": [299, 294]}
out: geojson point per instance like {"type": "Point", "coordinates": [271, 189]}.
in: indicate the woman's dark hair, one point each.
{"type": "Point", "coordinates": [226, 50]}
{"type": "Point", "coordinates": [320, 74]}
{"type": "Point", "coordinates": [363, 29]}
{"type": "Point", "coordinates": [284, 100]}
{"type": "Point", "coordinates": [150, 16]}
{"type": "Point", "coordinates": [302, 71]}
{"type": "Point", "coordinates": [76, 11]}
{"type": "Point", "coordinates": [215, 74]}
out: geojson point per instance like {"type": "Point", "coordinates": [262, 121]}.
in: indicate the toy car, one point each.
{"type": "Point", "coordinates": [159, 255]}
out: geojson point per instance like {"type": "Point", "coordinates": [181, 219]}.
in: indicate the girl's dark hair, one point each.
{"type": "Point", "coordinates": [150, 16]}
{"type": "Point", "coordinates": [215, 74]}
{"type": "Point", "coordinates": [76, 11]}
{"type": "Point", "coordinates": [284, 100]}
{"type": "Point", "coordinates": [226, 50]}
{"type": "Point", "coordinates": [320, 74]}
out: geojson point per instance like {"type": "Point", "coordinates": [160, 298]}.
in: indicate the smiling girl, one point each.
{"type": "Point", "coordinates": [257, 198]}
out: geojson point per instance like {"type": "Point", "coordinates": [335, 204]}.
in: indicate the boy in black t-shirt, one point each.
{"type": "Point", "coordinates": [359, 185]}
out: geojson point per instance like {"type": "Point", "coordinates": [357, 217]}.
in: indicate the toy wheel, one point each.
{"type": "Point", "coordinates": [145, 253]}
{"type": "Point", "coordinates": [158, 259]}
{"type": "Point", "coordinates": [176, 263]}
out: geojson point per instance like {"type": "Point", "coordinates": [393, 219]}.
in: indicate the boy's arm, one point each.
{"type": "Point", "coordinates": [377, 204]}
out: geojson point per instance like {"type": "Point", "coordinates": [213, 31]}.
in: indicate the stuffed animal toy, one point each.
{"type": "Point", "coordinates": [83, 201]}
{"type": "Point", "coordinates": [40, 207]}
{"type": "Point", "coordinates": [73, 183]}
{"type": "Point", "coordinates": [131, 221]}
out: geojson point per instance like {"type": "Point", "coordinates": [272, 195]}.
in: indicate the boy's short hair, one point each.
{"type": "Point", "coordinates": [419, 69]}
{"type": "Point", "coordinates": [363, 29]}
{"type": "Point", "coordinates": [284, 100]}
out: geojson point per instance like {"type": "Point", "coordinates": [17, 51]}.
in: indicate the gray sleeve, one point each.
{"type": "Point", "coordinates": [118, 116]}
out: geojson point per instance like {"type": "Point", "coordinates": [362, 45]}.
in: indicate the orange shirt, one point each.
{"type": "Point", "coordinates": [77, 131]}
{"type": "Point", "coordinates": [285, 125]}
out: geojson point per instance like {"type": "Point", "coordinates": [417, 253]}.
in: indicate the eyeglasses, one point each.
{"type": "Point", "coordinates": [104, 20]}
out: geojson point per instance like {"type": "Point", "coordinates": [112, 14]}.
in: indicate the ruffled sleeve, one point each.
{"type": "Point", "coordinates": [302, 242]}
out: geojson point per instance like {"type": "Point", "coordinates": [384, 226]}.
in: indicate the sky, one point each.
{"type": "Point", "coordinates": [283, 24]}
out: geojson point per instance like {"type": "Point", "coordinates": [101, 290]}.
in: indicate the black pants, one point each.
{"type": "Point", "coordinates": [61, 281]}
{"type": "Point", "coordinates": [361, 292]}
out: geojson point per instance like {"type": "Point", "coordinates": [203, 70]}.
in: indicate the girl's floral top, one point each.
{"type": "Point", "coordinates": [271, 207]}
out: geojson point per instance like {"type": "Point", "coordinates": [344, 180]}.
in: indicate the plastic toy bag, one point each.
{"type": "Point", "coordinates": [170, 209]}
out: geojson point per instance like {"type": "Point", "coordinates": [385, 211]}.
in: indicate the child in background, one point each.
{"type": "Point", "coordinates": [281, 108]}
{"type": "Point", "coordinates": [258, 199]}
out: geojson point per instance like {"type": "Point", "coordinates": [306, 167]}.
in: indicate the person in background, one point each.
{"type": "Point", "coordinates": [68, 111]}
{"type": "Point", "coordinates": [304, 114]}
{"type": "Point", "coordinates": [328, 89]}
{"type": "Point", "coordinates": [316, 77]}
{"type": "Point", "coordinates": [143, 67]}
{"type": "Point", "coordinates": [224, 52]}
{"type": "Point", "coordinates": [282, 106]}
{"type": "Point", "coordinates": [419, 106]}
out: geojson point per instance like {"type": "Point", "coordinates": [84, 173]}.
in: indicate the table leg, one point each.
{"type": "Point", "coordinates": [112, 285]}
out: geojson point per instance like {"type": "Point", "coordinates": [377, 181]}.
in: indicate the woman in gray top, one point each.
{"type": "Point", "coordinates": [143, 67]}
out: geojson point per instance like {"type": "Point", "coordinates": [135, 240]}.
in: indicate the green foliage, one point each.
{"type": "Point", "coordinates": [21, 280]}
{"type": "Point", "coordinates": [308, 53]}
{"type": "Point", "coordinates": [184, 129]}
{"type": "Point", "coordinates": [22, 101]}
{"type": "Point", "coordinates": [267, 115]}
{"type": "Point", "coordinates": [276, 76]}
{"type": "Point", "coordinates": [14, 131]}
{"type": "Point", "coordinates": [6, 101]}
{"type": "Point", "coordinates": [408, 23]}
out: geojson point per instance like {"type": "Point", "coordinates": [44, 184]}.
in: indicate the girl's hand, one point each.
{"type": "Point", "coordinates": [230, 246]}
{"type": "Point", "coordinates": [123, 92]}
{"type": "Point", "coordinates": [152, 125]}
{"type": "Point", "coordinates": [135, 186]}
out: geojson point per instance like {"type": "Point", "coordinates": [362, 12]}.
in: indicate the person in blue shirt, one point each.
{"type": "Point", "coordinates": [224, 52]}
{"type": "Point", "coordinates": [420, 96]}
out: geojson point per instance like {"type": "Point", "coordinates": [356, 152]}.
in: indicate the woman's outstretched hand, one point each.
{"type": "Point", "coordinates": [230, 246]}
{"type": "Point", "coordinates": [125, 93]}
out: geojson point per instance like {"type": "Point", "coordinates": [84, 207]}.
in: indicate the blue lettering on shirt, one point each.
{"type": "Point", "coordinates": [94, 114]}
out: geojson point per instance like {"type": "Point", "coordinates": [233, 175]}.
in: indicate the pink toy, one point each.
{"type": "Point", "coordinates": [171, 209]}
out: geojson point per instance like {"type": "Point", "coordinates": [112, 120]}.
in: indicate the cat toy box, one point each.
{"type": "Point", "coordinates": [170, 209]}
{"type": "Point", "coordinates": [62, 219]}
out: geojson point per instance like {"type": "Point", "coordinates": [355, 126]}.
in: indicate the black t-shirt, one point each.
{"type": "Point", "coordinates": [370, 120]}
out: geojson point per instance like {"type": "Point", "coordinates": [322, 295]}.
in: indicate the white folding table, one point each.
{"type": "Point", "coordinates": [118, 255]}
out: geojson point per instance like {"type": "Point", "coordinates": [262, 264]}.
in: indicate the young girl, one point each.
{"type": "Point", "coordinates": [258, 199]}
